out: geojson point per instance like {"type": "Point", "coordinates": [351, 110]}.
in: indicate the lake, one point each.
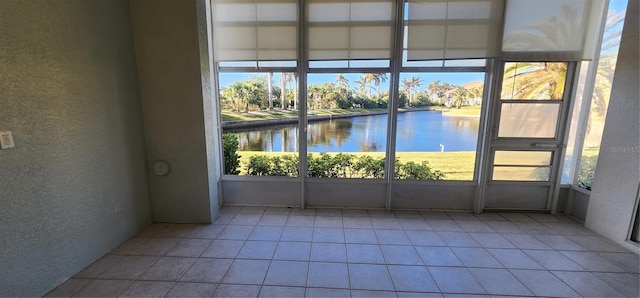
{"type": "Point", "coordinates": [418, 131]}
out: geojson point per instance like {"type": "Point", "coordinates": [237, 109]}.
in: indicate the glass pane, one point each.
{"type": "Point", "coordinates": [347, 132]}
{"type": "Point", "coordinates": [568, 166]}
{"type": "Point", "coordinates": [350, 29]}
{"type": "Point", "coordinates": [534, 80]}
{"type": "Point", "coordinates": [457, 29]}
{"type": "Point", "coordinates": [601, 92]}
{"type": "Point", "coordinates": [259, 123]}
{"type": "Point", "coordinates": [520, 173]}
{"type": "Point", "coordinates": [528, 120]}
{"type": "Point", "coordinates": [438, 121]}
{"type": "Point", "coordinates": [528, 158]}
{"type": "Point", "coordinates": [255, 30]}
{"type": "Point", "coordinates": [565, 29]}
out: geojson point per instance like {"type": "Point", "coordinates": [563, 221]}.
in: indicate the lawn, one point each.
{"type": "Point", "coordinates": [455, 165]}
{"type": "Point", "coordinates": [228, 115]}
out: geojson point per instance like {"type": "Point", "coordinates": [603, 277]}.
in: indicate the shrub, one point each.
{"type": "Point", "coordinates": [370, 167]}
{"type": "Point", "coordinates": [587, 169]}
{"type": "Point", "coordinates": [340, 165]}
{"type": "Point", "coordinates": [412, 170]}
{"type": "Point", "coordinates": [230, 154]}
{"type": "Point", "coordinates": [402, 100]}
{"type": "Point", "coordinates": [259, 165]}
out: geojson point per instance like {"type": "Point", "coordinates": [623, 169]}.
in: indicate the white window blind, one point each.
{"type": "Point", "coordinates": [350, 29]}
{"type": "Point", "coordinates": [452, 29]}
{"type": "Point", "coordinates": [255, 30]}
{"type": "Point", "coordinates": [552, 29]}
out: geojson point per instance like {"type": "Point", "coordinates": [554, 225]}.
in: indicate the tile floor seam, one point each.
{"type": "Point", "coordinates": [577, 290]}
{"type": "Point", "coordinates": [550, 272]}
{"type": "Point", "coordinates": [561, 235]}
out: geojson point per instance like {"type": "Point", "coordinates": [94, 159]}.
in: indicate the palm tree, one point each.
{"type": "Point", "coordinates": [270, 89]}
{"type": "Point", "coordinates": [316, 93]}
{"type": "Point", "coordinates": [368, 79]}
{"type": "Point", "coordinates": [377, 79]}
{"type": "Point", "coordinates": [410, 85]}
{"type": "Point", "coordinates": [534, 80]}
{"type": "Point", "coordinates": [363, 84]}
{"type": "Point", "coordinates": [606, 67]}
{"type": "Point", "coordinates": [406, 87]}
{"type": "Point", "coordinates": [342, 82]}
{"type": "Point", "coordinates": [439, 90]}
{"type": "Point", "coordinates": [475, 92]}
{"type": "Point", "coordinates": [416, 82]}
{"type": "Point", "coordinates": [551, 34]}
{"type": "Point", "coordinates": [293, 77]}
{"type": "Point", "coordinates": [283, 97]}
{"type": "Point", "coordinates": [459, 96]}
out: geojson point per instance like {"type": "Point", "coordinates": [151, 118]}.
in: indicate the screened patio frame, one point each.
{"type": "Point", "coordinates": [388, 193]}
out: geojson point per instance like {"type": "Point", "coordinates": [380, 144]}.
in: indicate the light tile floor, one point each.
{"type": "Point", "coordinates": [282, 252]}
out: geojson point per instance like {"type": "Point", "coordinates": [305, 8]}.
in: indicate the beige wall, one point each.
{"type": "Point", "coordinates": [617, 176]}
{"type": "Point", "coordinates": [76, 185]}
{"type": "Point", "coordinates": [176, 122]}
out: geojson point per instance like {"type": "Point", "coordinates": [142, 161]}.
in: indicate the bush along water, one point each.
{"type": "Point", "coordinates": [230, 154]}
{"type": "Point", "coordinates": [340, 165]}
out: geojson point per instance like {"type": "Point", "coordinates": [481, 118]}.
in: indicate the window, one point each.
{"type": "Point", "coordinates": [594, 89]}
{"type": "Point", "coordinates": [438, 123]}
{"type": "Point", "coordinates": [350, 33]}
{"type": "Point", "coordinates": [259, 123]}
{"type": "Point", "coordinates": [339, 69]}
{"type": "Point", "coordinates": [347, 131]}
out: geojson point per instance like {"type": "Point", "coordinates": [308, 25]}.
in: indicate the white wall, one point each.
{"type": "Point", "coordinates": [177, 113]}
{"type": "Point", "coordinates": [76, 185]}
{"type": "Point", "coordinates": [617, 176]}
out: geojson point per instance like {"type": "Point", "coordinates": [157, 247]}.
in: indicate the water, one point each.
{"type": "Point", "coordinates": [419, 131]}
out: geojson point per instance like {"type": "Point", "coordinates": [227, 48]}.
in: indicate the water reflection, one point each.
{"type": "Point", "coordinates": [418, 131]}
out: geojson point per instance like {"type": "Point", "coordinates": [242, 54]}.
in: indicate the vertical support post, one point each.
{"type": "Point", "coordinates": [486, 129]}
{"type": "Point", "coordinates": [394, 83]}
{"type": "Point", "coordinates": [302, 68]}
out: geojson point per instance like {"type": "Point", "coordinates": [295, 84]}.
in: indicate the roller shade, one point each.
{"type": "Point", "coordinates": [454, 29]}
{"type": "Point", "coordinates": [258, 30]}
{"type": "Point", "coordinates": [349, 30]}
{"type": "Point", "coordinates": [553, 29]}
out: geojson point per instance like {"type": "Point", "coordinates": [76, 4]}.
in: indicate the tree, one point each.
{"type": "Point", "coordinates": [269, 89]}
{"type": "Point", "coordinates": [475, 92]}
{"type": "Point", "coordinates": [342, 82]}
{"type": "Point", "coordinates": [316, 93]}
{"type": "Point", "coordinates": [459, 96]}
{"type": "Point", "coordinates": [606, 67]}
{"type": "Point", "coordinates": [550, 34]}
{"type": "Point", "coordinates": [293, 77]}
{"type": "Point", "coordinates": [377, 79]}
{"type": "Point", "coordinates": [534, 80]}
{"type": "Point", "coordinates": [283, 97]}
{"type": "Point", "coordinates": [439, 91]}
{"type": "Point", "coordinates": [416, 82]}
{"type": "Point", "coordinates": [406, 88]}
{"type": "Point", "coordinates": [237, 93]}
{"type": "Point", "coordinates": [362, 82]}
{"type": "Point", "coordinates": [342, 85]}
{"type": "Point", "coordinates": [231, 156]}
{"type": "Point", "coordinates": [410, 85]}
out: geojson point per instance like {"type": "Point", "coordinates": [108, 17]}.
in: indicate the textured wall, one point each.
{"type": "Point", "coordinates": [168, 54]}
{"type": "Point", "coordinates": [75, 186]}
{"type": "Point", "coordinates": [617, 175]}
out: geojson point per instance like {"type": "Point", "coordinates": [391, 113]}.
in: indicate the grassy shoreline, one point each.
{"type": "Point", "coordinates": [230, 116]}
